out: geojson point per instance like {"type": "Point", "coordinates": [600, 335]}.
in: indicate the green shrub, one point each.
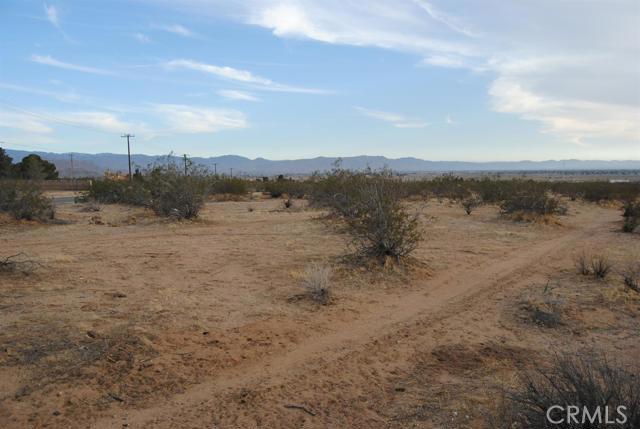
{"type": "Point", "coordinates": [172, 194]}
{"type": "Point", "coordinates": [229, 185]}
{"type": "Point", "coordinates": [531, 201]}
{"type": "Point", "coordinates": [164, 189]}
{"type": "Point", "coordinates": [25, 201]}
{"type": "Point", "coordinates": [110, 191]}
{"type": "Point", "coordinates": [290, 187]}
{"type": "Point", "coordinates": [631, 216]}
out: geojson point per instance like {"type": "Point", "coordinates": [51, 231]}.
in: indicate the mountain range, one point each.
{"type": "Point", "coordinates": [93, 165]}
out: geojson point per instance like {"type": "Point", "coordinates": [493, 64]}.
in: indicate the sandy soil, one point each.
{"type": "Point", "coordinates": [131, 321]}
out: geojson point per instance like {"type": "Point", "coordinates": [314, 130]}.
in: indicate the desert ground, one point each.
{"type": "Point", "coordinates": [127, 320]}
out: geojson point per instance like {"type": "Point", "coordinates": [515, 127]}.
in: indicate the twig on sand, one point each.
{"type": "Point", "coordinates": [301, 407]}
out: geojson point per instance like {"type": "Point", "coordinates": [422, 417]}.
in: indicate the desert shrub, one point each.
{"type": "Point", "coordinates": [531, 201]}
{"type": "Point", "coordinates": [228, 185]}
{"type": "Point", "coordinates": [317, 282]}
{"type": "Point", "coordinates": [287, 187]}
{"type": "Point", "coordinates": [631, 216]}
{"type": "Point", "coordinates": [630, 273]}
{"type": "Point", "coordinates": [583, 263]}
{"type": "Point", "coordinates": [470, 203]}
{"type": "Point", "coordinates": [370, 204]}
{"type": "Point", "coordinates": [18, 263]}
{"type": "Point", "coordinates": [377, 220]}
{"type": "Point", "coordinates": [175, 195]}
{"type": "Point", "coordinates": [288, 203]}
{"type": "Point", "coordinates": [600, 266]}
{"type": "Point", "coordinates": [586, 381]}
{"type": "Point", "coordinates": [112, 191]}
{"type": "Point", "coordinates": [25, 201]}
{"type": "Point", "coordinates": [338, 190]}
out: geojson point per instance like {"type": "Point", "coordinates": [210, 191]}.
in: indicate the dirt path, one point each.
{"type": "Point", "coordinates": [443, 294]}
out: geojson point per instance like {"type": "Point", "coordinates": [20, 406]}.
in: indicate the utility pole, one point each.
{"type": "Point", "coordinates": [231, 171]}
{"type": "Point", "coordinates": [73, 176]}
{"type": "Point", "coordinates": [215, 168]}
{"type": "Point", "coordinates": [128, 136]}
{"type": "Point", "coordinates": [185, 164]}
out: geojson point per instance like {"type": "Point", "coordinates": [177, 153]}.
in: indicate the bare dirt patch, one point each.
{"type": "Point", "coordinates": [191, 324]}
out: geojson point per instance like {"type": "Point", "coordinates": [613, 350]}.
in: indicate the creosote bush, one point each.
{"type": "Point", "coordinates": [173, 194]}
{"type": "Point", "coordinates": [317, 282]}
{"type": "Point", "coordinates": [227, 185]}
{"type": "Point", "coordinates": [370, 204]}
{"type": "Point", "coordinates": [586, 381]}
{"type": "Point", "coordinates": [163, 188]}
{"type": "Point", "coordinates": [533, 201]}
{"type": "Point", "coordinates": [25, 201]}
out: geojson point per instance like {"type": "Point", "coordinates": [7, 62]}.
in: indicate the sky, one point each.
{"type": "Point", "coordinates": [468, 80]}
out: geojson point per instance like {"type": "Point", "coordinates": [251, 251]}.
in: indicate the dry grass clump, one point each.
{"type": "Point", "coordinates": [582, 263]}
{"type": "Point", "coordinates": [600, 266]}
{"type": "Point", "coordinates": [630, 273]}
{"type": "Point", "coordinates": [586, 381]}
{"type": "Point", "coordinates": [542, 308]}
{"type": "Point", "coordinates": [317, 282]}
{"type": "Point", "coordinates": [597, 265]}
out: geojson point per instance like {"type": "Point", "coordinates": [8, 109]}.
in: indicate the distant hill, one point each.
{"type": "Point", "coordinates": [96, 164]}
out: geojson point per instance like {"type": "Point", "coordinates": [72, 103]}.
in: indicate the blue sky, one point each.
{"type": "Point", "coordinates": [454, 80]}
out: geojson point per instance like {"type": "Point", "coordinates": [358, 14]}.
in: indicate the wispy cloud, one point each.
{"type": "Point", "coordinates": [52, 15]}
{"type": "Point", "coordinates": [394, 119]}
{"type": "Point", "coordinates": [23, 122]}
{"type": "Point", "coordinates": [463, 35]}
{"type": "Point", "coordinates": [68, 96]}
{"type": "Point", "coordinates": [447, 61]}
{"type": "Point", "coordinates": [194, 120]}
{"type": "Point", "coordinates": [237, 75]}
{"type": "Point", "coordinates": [232, 94]}
{"type": "Point", "coordinates": [448, 20]}
{"type": "Point", "coordinates": [141, 37]}
{"type": "Point", "coordinates": [50, 61]}
{"type": "Point", "coordinates": [575, 119]}
{"type": "Point", "coordinates": [178, 29]}
{"type": "Point", "coordinates": [449, 121]}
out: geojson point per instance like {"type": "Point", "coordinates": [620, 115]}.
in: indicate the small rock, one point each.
{"type": "Point", "coordinates": [92, 334]}
{"type": "Point", "coordinates": [56, 413]}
